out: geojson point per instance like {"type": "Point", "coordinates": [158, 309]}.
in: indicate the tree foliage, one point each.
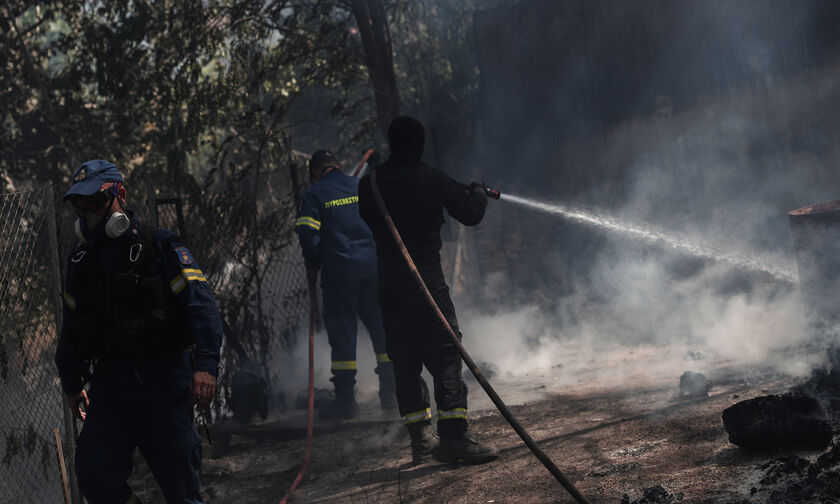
{"type": "Point", "coordinates": [204, 100]}
{"type": "Point", "coordinates": [148, 84]}
{"type": "Point", "coordinates": [176, 88]}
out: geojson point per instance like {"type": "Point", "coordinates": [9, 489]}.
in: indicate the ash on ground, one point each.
{"type": "Point", "coordinates": [793, 479]}
{"type": "Point", "coordinates": [694, 385]}
{"type": "Point", "coordinates": [654, 495]}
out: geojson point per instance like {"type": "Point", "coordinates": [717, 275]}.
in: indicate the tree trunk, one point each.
{"type": "Point", "coordinates": [376, 40]}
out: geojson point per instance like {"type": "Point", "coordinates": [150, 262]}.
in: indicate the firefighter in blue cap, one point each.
{"type": "Point", "coordinates": [139, 345]}
{"type": "Point", "coordinates": [336, 241]}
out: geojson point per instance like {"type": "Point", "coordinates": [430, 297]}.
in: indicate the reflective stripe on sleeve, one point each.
{"type": "Point", "coordinates": [418, 416]}
{"type": "Point", "coordinates": [309, 221]}
{"type": "Point", "coordinates": [343, 365]}
{"type": "Point", "coordinates": [193, 274]}
{"type": "Point", "coordinates": [382, 357]}
{"type": "Point", "coordinates": [453, 413]}
{"type": "Point", "coordinates": [70, 300]}
{"type": "Point", "coordinates": [187, 275]}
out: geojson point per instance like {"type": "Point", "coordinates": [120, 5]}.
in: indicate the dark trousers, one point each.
{"type": "Point", "coordinates": [416, 337]}
{"type": "Point", "coordinates": [344, 301]}
{"type": "Point", "coordinates": [163, 432]}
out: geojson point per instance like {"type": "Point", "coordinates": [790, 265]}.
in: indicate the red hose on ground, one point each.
{"type": "Point", "coordinates": [311, 416]}
{"type": "Point", "coordinates": [479, 376]}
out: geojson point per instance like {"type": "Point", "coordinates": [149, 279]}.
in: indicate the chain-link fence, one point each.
{"type": "Point", "coordinates": [31, 404]}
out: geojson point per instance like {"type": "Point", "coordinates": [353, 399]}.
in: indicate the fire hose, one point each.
{"type": "Point", "coordinates": [313, 303]}
{"type": "Point", "coordinates": [479, 376]}
{"type": "Point", "coordinates": [361, 164]}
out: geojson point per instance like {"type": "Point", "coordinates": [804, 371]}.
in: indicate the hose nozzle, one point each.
{"type": "Point", "coordinates": [490, 192]}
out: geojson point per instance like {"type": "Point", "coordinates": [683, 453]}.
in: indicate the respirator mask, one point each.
{"type": "Point", "coordinates": [90, 224]}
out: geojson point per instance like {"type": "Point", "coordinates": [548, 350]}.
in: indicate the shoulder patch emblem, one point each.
{"type": "Point", "coordinates": [184, 256]}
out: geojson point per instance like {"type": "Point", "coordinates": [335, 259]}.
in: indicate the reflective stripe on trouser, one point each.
{"type": "Point", "coordinates": [416, 339]}
{"type": "Point", "coordinates": [344, 301]}
{"type": "Point", "coordinates": [452, 414]}
{"type": "Point", "coordinates": [343, 366]}
{"type": "Point", "coordinates": [418, 416]}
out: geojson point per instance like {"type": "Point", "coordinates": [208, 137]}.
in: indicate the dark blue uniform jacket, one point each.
{"type": "Point", "coordinates": [332, 234]}
{"type": "Point", "coordinates": [129, 379]}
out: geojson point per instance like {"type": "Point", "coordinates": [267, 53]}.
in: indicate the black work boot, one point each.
{"type": "Point", "coordinates": [344, 406]}
{"type": "Point", "coordinates": [423, 442]}
{"type": "Point", "coordinates": [464, 448]}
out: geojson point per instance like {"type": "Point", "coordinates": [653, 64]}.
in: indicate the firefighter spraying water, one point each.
{"type": "Point", "coordinates": [420, 323]}
{"type": "Point", "coordinates": [417, 195]}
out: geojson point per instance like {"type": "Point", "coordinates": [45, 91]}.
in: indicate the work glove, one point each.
{"type": "Point", "coordinates": [477, 188]}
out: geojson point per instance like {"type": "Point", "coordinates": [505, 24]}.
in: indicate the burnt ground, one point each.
{"type": "Point", "coordinates": [610, 434]}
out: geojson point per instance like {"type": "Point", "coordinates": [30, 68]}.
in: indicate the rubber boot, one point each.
{"type": "Point", "coordinates": [387, 386]}
{"type": "Point", "coordinates": [464, 448]}
{"type": "Point", "coordinates": [423, 442]}
{"type": "Point", "coordinates": [344, 406]}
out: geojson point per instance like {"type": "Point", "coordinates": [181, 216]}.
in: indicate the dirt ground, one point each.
{"type": "Point", "coordinates": [612, 421]}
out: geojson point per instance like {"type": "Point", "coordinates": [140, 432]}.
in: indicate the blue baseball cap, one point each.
{"type": "Point", "coordinates": [89, 177]}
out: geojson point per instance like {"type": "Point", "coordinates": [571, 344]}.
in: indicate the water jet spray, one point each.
{"type": "Point", "coordinates": [643, 232]}
{"type": "Point", "coordinates": [651, 235]}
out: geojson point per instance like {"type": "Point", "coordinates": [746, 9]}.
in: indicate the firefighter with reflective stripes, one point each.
{"type": "Point", "coordinates": [335, 240]}
{"type": "Point", "coordinates": [142, 329]}
{"type": "Point", "coordinates": [415, 195]}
